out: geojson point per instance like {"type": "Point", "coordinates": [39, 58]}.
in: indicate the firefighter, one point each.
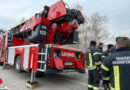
{"type": "Point", "coordinates": [107, 53]}
{"type": "Point", "coordinates": [113, 49]}
{"type": "Point", "coordinates": [101, 58]}
{"type": "Point", "coordinates": [115, 68]}
{"type": "Point", "coordinates": [100, 47]}
{"type": "Point", "coordinates": [93, 72]}
{"type": "Point", "coordinates": [100, 54]}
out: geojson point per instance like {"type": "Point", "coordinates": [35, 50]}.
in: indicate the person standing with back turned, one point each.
{"type": "Point", "coordinates": [116, 67]}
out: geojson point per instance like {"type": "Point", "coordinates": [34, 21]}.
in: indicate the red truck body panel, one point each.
{"type": "Point", "coordinates": [57, 10]}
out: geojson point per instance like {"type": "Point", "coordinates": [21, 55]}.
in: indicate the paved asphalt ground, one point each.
{"type": "Point", "coordinates": [63, 81]}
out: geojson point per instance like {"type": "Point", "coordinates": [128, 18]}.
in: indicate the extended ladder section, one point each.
{"type": "Point", "coordinates": [42, 60]}
{"type": "Point", "coordinates": [9, 40]}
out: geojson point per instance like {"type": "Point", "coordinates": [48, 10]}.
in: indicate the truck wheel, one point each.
{"type": "Point", "coordinates": [18, 64]}
{"type": "Point", "coordinates": [39, 74]}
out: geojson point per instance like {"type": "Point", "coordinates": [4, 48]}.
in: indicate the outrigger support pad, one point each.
{"type": "Point", "coordinates": [32, 84]}
{"type": "Point", "coordinates": [5, 66]}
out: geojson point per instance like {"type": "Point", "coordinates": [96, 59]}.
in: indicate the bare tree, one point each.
{"type": "Point", "coordinates": [93, 29]}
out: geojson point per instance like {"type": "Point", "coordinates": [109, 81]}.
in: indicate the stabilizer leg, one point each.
{"type": "Point", "coordinates": [32, 83]}
{"type": "Point", "coordinates": [5, 66]}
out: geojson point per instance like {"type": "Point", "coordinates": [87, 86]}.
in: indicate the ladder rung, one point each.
{"type": "Point", "coordinates": [9, 44]}
{"type": "Point", "coordinates": [41, 70]}
{"type": "Point", "coordinates": [42, 53]}
{"type": "Point", "coordinates": [41, 61]}
{"type": "Point", "coordinates": [9, 38]}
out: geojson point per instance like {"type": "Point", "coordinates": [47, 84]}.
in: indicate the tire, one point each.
{"type": "Point", "coordinates": [18, 64]}
{"type": "Point", "coordinates": [40, 74]}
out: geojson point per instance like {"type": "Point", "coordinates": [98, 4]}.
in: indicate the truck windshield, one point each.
{"type": "Point", "coordinates": [57, 54]}
{"type": "Point", "coordinates": [77, 56]}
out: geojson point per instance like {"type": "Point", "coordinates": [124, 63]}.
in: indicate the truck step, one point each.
{"type": "Point", "coordinates": [42, 53]}
{"type": "Point", "coordinates": [41, 70]}
{"type": "Point", "coordinates": [41, 61]}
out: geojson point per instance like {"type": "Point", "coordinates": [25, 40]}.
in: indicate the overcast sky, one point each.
{"type": "Point", "coordinates": [117, 11]}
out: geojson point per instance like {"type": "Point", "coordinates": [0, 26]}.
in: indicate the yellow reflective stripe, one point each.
{"type": "Point", "coordinates": [90, 60]}
{"type": "Point", "coordinates": [78, 56]}
{"type": "Point", "coordinates": [107, 88]}
{"type": "Point", "coordinates": [105, 68]}
{"type": "Point", "coordinates": [91, 68]}
{"type": "Point", "coordinates": [96, 53]}
{"type": "Point", "coordinates": [116, 77]}
{"type": "Point", "coordinates": [106, 78]}
{"type": "Point", "coordinates": [111, 87]}
{"type": "Point", "coordinates": [98, 63]}
{"type": "Point", "coordinates": [103, 56]}
{"type": "Point", "coordinates": [90, 86]}
{"type": "Point", "coordinates": [46, 45]}
{"type": "Point", "coordinates": [95, 88]}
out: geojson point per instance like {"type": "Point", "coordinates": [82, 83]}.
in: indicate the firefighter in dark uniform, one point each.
{"type": "Point", "coordinates": [100, 54]}
{"type": "Point", "coordinates": [92, 58]}
{"type": "Point", "coordinates": [116, 67]}
{"type": "Point", "coordinates": [100, 47]}
{"type": "Point", "coordinates": [107, 53]}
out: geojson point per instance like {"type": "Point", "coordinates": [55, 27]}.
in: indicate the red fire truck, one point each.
{"type": "Point", "coordinates": [38, 44]}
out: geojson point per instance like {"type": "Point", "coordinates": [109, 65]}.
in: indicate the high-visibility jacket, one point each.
{"type": "Point", "coordinates": [116, 69]}
{"type": "Point", "coordinates": [100, 55]}
{"type": "Point", "coordinates": [100, 50]}
{"type": "Point", "coordinates": [93, 58]}
{"type": "Point", "coordinates": [106, 53]}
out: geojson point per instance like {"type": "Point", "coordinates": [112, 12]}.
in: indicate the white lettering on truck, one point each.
{"type": "Point", "coordinates": [68, 54]}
